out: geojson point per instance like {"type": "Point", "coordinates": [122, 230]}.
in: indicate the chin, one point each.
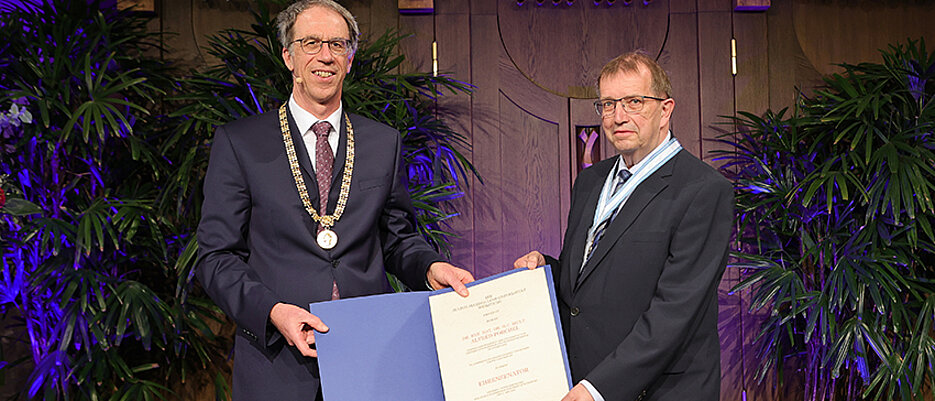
{"type": "Point", "coordinates": [626, 148]}
{"type": "Point", "coordinates": [321, 96]}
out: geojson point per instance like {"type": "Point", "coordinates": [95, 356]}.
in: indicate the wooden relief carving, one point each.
{"type": "Point", "coordinates": [561, 46]}
{"type": "Point", "coordinates": [587, 146]}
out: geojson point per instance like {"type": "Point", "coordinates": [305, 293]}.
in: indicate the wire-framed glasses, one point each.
{"type": "Point", "coordinates": [631, 104]}
{"type": "Point", "coordinates": [312, 45]}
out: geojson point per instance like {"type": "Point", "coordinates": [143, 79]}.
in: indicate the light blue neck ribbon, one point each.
{"type": "Point", "coordinates": [608, 204]}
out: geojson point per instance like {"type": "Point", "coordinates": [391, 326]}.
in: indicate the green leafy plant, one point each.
{"type": "Point", "coordinates": [88, 251]}
{"type": "Point", "coordinates": [835, 216]}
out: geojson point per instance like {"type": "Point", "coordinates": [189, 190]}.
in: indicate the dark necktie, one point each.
{"type": "Point", "coordinates": [622, 177]}
{"type": "Point", "coordinates": [324, 163]}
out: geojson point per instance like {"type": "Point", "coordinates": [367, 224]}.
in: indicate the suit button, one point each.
{"type": "Point", "coordinates": [574, 311]}
{"type": "Point", "coordinates": [335, 263]}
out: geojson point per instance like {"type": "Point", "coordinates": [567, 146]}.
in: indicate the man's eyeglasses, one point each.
{"type": "Point", "coordinates": [313, 45]}
{"type": "Point", "coordinates": [632, 104]}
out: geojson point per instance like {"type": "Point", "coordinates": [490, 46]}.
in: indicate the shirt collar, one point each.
{"type": "Point", "coordinates": [621, 165]}
{"type": "Point", "coordinates": [304, 119]}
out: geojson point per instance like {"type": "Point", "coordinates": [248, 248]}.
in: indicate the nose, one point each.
{"type": "Point", "coordinates": [325, 54]}
{"type": "Point", "coordinates": [620, 113]}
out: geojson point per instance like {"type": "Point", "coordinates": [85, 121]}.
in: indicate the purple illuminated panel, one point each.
{"type": "Point", "coordinates": [751, 5]}
{"type": "Point", "coordinates": [587, 146]}
{"type": "Point", "coordinates": [416, 6]}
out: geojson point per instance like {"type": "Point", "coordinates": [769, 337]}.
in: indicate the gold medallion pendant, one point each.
{"type": "Point", "coordinates": [327, 239]}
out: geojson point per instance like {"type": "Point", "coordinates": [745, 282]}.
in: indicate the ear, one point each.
{"type": "Point", "coordinates": [350, 61]}
{"type": "Point", "coordinates": [287, 58]}
{"type": "Point", "coordinates": [668, 106]}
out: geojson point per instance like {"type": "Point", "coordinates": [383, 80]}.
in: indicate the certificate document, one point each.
{"type": "Point", "coordinates": [503, 342]}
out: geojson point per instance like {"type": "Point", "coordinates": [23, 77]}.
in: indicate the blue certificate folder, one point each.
{"type": "Point", "coordinates": [382, 347]}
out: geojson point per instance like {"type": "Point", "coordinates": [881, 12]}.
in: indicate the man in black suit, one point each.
{"type": "Point", "coordinates": [305, 204]}
{"type": "Point", "coordinates": [643, 254]}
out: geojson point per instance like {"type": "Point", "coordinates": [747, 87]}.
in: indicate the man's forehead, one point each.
{"type": "Point", "coordinates": [321, 22]}
{"type": "Point", "coordinates": [626, 81]}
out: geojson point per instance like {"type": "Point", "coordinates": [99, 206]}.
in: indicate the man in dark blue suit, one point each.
{"type": "Point", "coordinates": [643, 254]}
{"type": "Point", "coordinates": [305, 204]}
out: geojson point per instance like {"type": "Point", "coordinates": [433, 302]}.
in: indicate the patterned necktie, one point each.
{"type": "Point", "coordinates": [622, 177]}
{"type": "Point", "coordinates": [324, 163]}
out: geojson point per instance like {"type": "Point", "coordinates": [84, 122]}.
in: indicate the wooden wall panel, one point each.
{"type": "Point", "coordinates": [681, 7]}
{"type": "Point", "coordinates": [532, 125]}
{"type": "Point", "coordinates": [705, 6]}
{"type": "Point", "coordinates": [374, 17]}
{"type": "Point", "coordinates": [737, 328]}
{"type": "Point", "coordinates": [716, 92]}
{"type": "Point", "coordinates": [485, 132]}
{"type": "Point", "coordinates": [452, 7]}
{"type": "Point", "coordinates": [529, 195]}
{"type": "Point", "coordinates": [483, 7]}
{"type": "Point", "coordinates": [680, 60]}
{"type": "Point", "coordinates": [785, 57]}
{"type": "Point", "coordinates": [187, 26]}
{"type": "Point", "coordinates": [454, 59]}
{"type": "Point", "coordinates": [751, 85]}
{"type": "Point", "coordinates": [417, 46]}
{"type": "Point", "coordinates": [832, 32]}
{"type": "Point", "coordinates": [562, 47]}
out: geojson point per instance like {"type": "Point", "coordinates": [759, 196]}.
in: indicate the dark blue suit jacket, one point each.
{"type": "Point", "coordinates": [640, 320]}
{"type": "Point", "coordinates": [257, 242]}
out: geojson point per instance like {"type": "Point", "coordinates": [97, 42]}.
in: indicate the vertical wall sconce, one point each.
{"type": "Point", "coordinates": [733, 56]}
{"type": "Point", "coordinates": [434, 58]}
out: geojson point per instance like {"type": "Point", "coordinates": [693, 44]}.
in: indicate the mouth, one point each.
{"type": "Point", "coordinates": [323, 74]}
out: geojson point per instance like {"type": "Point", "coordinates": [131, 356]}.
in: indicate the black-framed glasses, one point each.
{"type": "Point", "coordinates": [313, 45]}
{"type": "Point", "coordinates": [632, 104]}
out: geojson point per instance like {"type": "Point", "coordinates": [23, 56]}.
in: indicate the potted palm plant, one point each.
{"type": "Point", "coordinates": [835, 212]}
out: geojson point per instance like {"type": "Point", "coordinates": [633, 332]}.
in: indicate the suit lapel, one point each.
{"type": "Point", "coordinates": [634, 206]}
{"type": "Point", "coordinates": [587, 216]}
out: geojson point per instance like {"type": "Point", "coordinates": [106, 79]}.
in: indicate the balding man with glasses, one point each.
{"type": "Point", "coordinates": [643, 254]}
{"type": "Point", "coordinates": [305, 204]}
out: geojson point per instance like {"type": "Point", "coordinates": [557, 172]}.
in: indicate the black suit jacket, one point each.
{"type": "Point", "coordinates": [257, 242]}
{"type": "Point", "coordinates": [640, 320]}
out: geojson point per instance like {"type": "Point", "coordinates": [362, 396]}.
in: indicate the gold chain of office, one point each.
{"type": "Point", "coordinates": [327, 221]}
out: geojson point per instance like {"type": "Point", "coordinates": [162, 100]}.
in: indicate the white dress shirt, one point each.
{"type": "Point", "coordinates": [304, 121]}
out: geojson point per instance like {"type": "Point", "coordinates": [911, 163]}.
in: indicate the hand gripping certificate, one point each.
{"type": "Point", "coordinates": [503, 342]}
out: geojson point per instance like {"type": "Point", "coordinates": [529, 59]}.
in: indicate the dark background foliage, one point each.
{"type": "Point", "coordinates": [104, 185]}
{"type": "Point", "coordinates": [835, 212]}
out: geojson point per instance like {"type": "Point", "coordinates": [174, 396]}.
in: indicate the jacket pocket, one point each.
{"type": "Point", "coordinates": [373, 182]}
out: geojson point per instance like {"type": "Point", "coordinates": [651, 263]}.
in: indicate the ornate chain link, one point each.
{"type": "Point", "coordinates": [326, 221]}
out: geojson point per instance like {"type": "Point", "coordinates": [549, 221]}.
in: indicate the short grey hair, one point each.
{"type": "Point", "coordinates": [630, 62]}
{"type": "Point", "coordinates": [285, 21]}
